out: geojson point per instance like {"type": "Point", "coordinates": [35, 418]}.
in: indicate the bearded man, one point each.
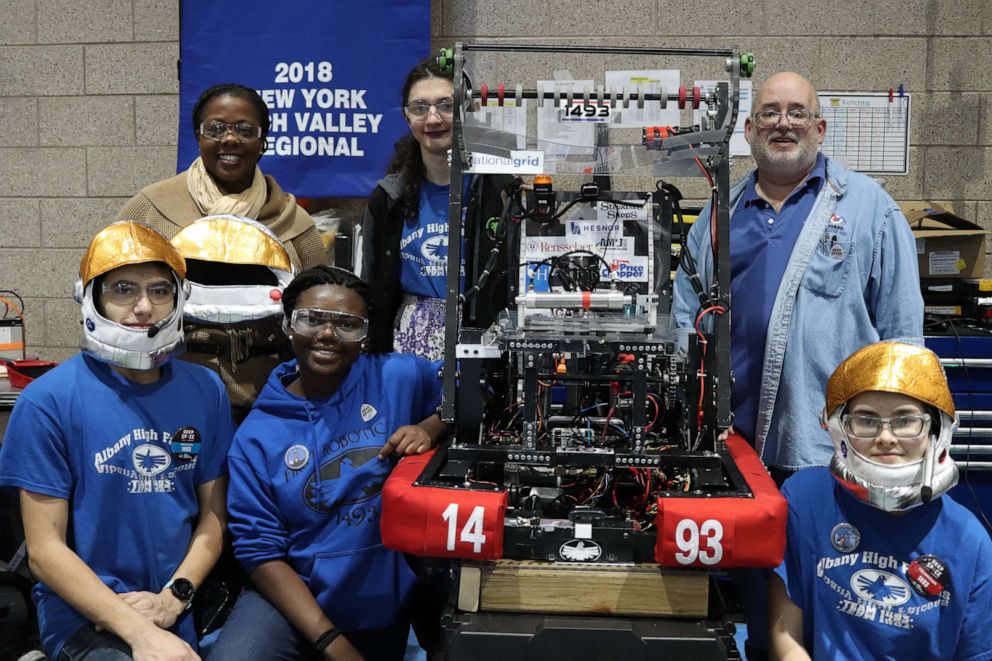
{"type": "Point", "coordinates": [822, 263]}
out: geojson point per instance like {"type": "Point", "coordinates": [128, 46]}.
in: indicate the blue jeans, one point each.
{"type": "Point", "coordinates": [256, 630]}
{"type": "Point", "coordinates": [88, 644]}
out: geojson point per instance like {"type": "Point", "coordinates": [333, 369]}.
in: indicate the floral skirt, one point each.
{"type": "Point", "coordinates": [419, 327]}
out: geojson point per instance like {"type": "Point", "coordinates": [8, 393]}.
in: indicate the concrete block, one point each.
{"type": "Point", "coordinates": [132, 69]}
{"type": "Point", "coordinates": [20, 223]}
{"type": "Point", "coordinates": [985, 120]}
{"type": "Point", "coordinates": [93, 21]}
{"type": "Point", "coordinates": [18, 122]}
{"type": "Point", "coordinates": [709, 17]}
{"type": "Point", "coordinates": [774, 54]}
{"type": "Point", "coordinates": [72, 222]}
{"type": "Point", "coordinates": [437, 26]}
{"type": "Point", "coordinates": [959, 64]}
{"type": "Point", "coordinates": [967, 210]}
{"type": "Point", "coordinates": [157, 119]}
{"type": "Point", "coordinates": [72, 121]}
{"type": "Point", "coordinates": [41, 70]}
{"type": "Point", "coordinates": [57, 354]}
{"type": "Point", "coordinates": [18, 25]}
{"type": "Point", "coordinates": [64, 323]}
{"type": "Point", "coordinates": [156, 20]}
{"type": "Point", "coordinates": [478, 18]}
{"type": "Point", "coordinates": [927, 17]}
{"type": "Point", "coordinates": [958, 173]}
{"type": "Point", "coordinates": [123, 171]}
{"type": "Point", "coordinates": [872, 65]}
{"type": "Point", "coordinates": [942, 118]}
{"type": "Point", "coordinates": [42, 272]}
{"type": "Point", "coordinates": [34, 327]}
{"type": "Point", "coordinates": [908, 186]}
{"type": "Point", "coordinates": [983, 214]}
{"type": "Point", "coordinates": [606, 17]}
{"type": "Point", "coordinates": [790, 18]}
{"type": "Point", "coordinates": [41, 171]}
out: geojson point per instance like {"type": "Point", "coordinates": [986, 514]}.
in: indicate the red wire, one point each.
{"type": "Point", "coordinates": [657, 413]}
{"type": "Point", "coordinates": [717, 309]}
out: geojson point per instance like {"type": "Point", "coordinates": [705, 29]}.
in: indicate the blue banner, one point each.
{"type": "Point", "coordinates": [331, 73]}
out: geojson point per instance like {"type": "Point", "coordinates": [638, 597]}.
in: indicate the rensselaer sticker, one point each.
{"type": "Point", "coordinates": [928, 575]}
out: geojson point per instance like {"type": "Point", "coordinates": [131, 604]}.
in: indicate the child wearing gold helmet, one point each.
{"type": "Point", "coordinates": [878, 564]}
{"type": "Point", "coordinates": [119, 456]}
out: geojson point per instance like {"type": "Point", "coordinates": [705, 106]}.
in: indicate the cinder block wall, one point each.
{"type": "Point", "coordinates": [88, 104]}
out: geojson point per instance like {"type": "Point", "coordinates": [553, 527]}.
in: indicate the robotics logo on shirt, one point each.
{"type": "Point", "coordinates": [435, 248]}
{"type": "Point", "coordinates": [149, 467]}
{"type": "Point", "coordinates": [348, 479]}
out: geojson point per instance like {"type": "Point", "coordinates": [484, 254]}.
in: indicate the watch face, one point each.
{"type": "Point", "coordinates": [182, 588]}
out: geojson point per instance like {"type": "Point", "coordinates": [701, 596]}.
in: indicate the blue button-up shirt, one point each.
{"type": "Point", "coordinates": [851, 279]}
{"type": "Point", "coordinates": [761, 242]}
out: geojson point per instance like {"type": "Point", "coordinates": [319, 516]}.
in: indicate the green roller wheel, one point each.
{"type": "Point", "coordinates": [492, 225]}
{"type": "Point", "coordinates": [747, 64]}
{"type": "Point", "coordinates": [446, 60]}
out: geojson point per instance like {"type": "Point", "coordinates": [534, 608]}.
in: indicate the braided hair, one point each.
{"type": "Point", "coordinates": [407, 160]}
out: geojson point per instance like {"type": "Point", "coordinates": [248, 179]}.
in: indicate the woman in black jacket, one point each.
{"type": "Point", "coordinates": [405, 236]}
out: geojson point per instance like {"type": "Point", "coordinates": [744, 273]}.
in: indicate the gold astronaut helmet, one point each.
{"type": "Point", "coordinates": [117, 245]}
{"type": "Point", "coordinates": [237, 270]}
{"type": "Point", "coordinates": [905, 369]}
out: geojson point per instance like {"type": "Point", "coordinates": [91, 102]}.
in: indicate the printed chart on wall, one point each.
{"type": "Point", "coordinates": [869, 132]}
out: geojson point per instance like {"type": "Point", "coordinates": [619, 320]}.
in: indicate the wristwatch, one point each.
{"type": "Point", "coordinates": [183, 590]}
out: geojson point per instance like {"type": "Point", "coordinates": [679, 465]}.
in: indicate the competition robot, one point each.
{"type": "Point", "coordinates": [580, 433]}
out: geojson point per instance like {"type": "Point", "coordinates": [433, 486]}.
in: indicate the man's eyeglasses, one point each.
{"type": "Point", "coordinates": [309, 322]}
{"type": "Point", "coordinates": [418, 109]}
{"type": "Point", "coordinates": [243, 131]}
{"type": "Point", "coordinates": [868, 427]}
{"type": "Point", "coordinates": [796, 118]}
{"type": "Point", "coordinates": [126, 293]}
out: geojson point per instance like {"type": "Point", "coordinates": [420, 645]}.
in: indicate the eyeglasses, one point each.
{"type": "Point", "coordinates": [796, 117]}
{"type": "Point", "coordinates": [868, 427]}
{"type": "Point", "coordinates": [418, 109]}
{"type": "Point", "coordinates": [216, 130]}
{"type": "Point", "coordinates": [126, 293]}
{"type": "Point", "coordinates": [310, 322]}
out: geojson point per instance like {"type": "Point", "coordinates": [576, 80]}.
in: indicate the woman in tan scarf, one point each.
{"type": "Point", "coordinates": [231, 122]}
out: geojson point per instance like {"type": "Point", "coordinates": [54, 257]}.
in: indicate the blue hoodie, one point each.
{"type": "Point", "coordinates": [306, 483]}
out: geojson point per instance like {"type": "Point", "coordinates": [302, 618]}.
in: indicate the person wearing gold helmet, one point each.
{"type": "Point", "coordinates": [879, 563]}
{"type": "Point", "coordinates": [119, 455]}
{"type": "Point", "coordinates": [237, 269]}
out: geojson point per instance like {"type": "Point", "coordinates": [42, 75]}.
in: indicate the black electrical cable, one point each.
{"type": "Point", "coordinates": [491, 261]}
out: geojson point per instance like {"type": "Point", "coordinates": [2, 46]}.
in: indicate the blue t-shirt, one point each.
{"type": "Point", "coordinates": [424, 246]}
{"type": "Point", "coordinates": [85, 434]}
{"type": "Point", "coordinates": [306, 483]}
{"type": "Point", "coordinates": [761, 243]}
{"type": "Point", "coordinates": [875, 585]}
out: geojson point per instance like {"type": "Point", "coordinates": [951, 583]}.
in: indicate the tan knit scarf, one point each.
{"type": "Point", "coordinates": [211, 200]}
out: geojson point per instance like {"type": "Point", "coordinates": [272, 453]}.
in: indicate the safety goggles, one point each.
{"type": "Point", "coordinates": [310, 322]}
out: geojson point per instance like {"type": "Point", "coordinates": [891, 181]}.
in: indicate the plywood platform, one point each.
{"type": "Point", "coordinates": [580, 588]}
